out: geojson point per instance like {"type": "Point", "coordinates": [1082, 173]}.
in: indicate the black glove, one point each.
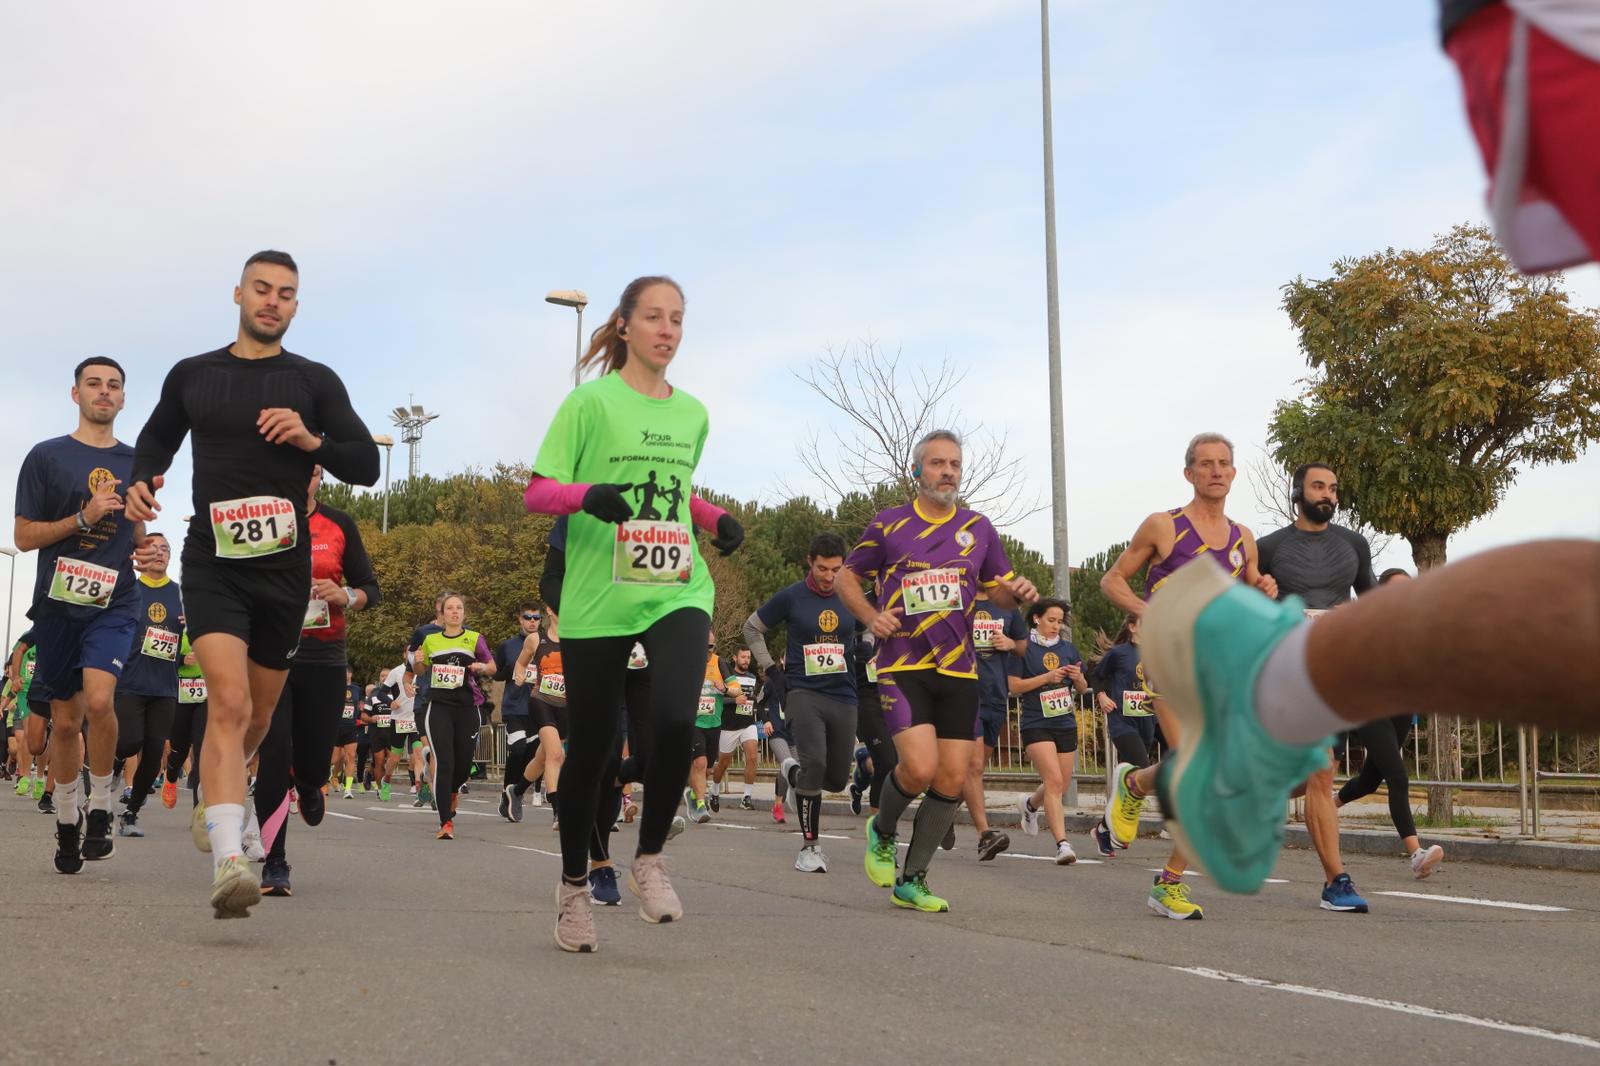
{"type": "Point", "coordinates": [730, 534]}
{"type": "Point", "coordinates": [605, 502]}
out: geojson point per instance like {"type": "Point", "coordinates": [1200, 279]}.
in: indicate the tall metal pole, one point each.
{"type": "Point", "coordinates": [1058, 446]}
{"type": "Point", "coordinates": [577, 357]}
{"type": "Point", "coordinates": [388, 453]}
{"type": "Point", "coordinates": [11, 595]}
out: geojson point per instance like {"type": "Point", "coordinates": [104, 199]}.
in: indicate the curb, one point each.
{"type": "Point", "coordinates": [1540, 854]}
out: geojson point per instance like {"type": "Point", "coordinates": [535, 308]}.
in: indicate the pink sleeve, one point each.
{"type": "Point", "coordinates": [548, 496]}
{"type": "Point", "coordinates": [704, 515]}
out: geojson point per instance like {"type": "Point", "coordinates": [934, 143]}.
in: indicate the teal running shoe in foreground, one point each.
{"type": "Point", "coordinates": [1205, 639]}
{"type": "Point", "coordinates": [914, 895]}
{"type": "Point", "coordinates": [881, 858]}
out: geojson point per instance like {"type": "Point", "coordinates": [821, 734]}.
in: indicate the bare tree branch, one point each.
{"type": "Point", "coordinates": [886, 411]}
{"type": "Point", "coordinates": [1271, 485]}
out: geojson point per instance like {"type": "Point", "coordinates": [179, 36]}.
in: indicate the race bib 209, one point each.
{"type": "Point", "coordinates": [652, 553]}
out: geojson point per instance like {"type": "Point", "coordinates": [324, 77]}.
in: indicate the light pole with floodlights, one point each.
{"type": "Point", "coordinates": [386, 442]}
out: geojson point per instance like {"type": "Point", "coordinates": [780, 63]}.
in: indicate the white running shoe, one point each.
{"type": "Point", "coordinates": [197, 829]}
{"type": "Point", "coordinates": [1065, 856]}
{"type": "Point", "coordinates": [811, 860]}
{"type": "Point", "coordinates": [537, 792]}
{"type": "Point", "coordinates": [251, 842]}
{"type": "Point", "coordinates": [1030, 816]}
{"type": "Point", "coordinates": [1426, 860]}
{"type": "Point", "coordinates": [351, 795]}
{"type": "Point", "coordinates": [678, 826]}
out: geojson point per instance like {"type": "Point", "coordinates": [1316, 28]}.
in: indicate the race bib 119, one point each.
{"type": "Point", "coordinates": [927, 591]}
{"type": "Point", "coordinates": [652, 553]}
{"type": "Point", "coordinates": [83, 584]}
{"type": "Point", "coordinates": [253, 526]}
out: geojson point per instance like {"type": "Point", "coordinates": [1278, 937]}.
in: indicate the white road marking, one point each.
{"type": "Point", "coordinates": [352, 817]}
{"type": "Point", "coordinates": [1197, 873]}
{"type": "Point", "coordinates": [1506, 904]}
{"type": "Point", "coordinates": [537, 851]}
{"type": "Point", "coordinates": [429, 810]}
{"type": "Point", "coordinates": [1394, 1005]}
{"type": "Point", "coordinates": [1049, 858]}
{"type": "Point", "coordinates": [729, 825]}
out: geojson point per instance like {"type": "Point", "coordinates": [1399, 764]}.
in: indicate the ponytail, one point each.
{"type": "Point", "coordinates": [608, 350]}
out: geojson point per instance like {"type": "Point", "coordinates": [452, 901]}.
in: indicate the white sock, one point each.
{"type": "Point", "coordinates": [1288, 706]}
{"type": "Point", "coordinates": [225, 827]}
{"type": "Point", "coordinates": [66, 799]}
{"type": "Point", "coordinates": [715, 788]}
{"type": "Point", "coordinates": [100, 792]}
{"type": "Point", "coordinates": [748, 790]}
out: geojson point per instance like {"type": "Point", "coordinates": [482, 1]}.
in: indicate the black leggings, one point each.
{"type": "Point", "coordinates": [596, 669]}
{"type": "Point", "coordinates": [188, 725]}
{"type": "Point", "coordinates": [453, 735]}
{"type": "Point", "coordinates": [1131, 749]}
{"type": "Point", "coordinates": [874, 733]}
{"type": "Point", "coordinates": [143, 723]}
{"type": "Point", "coordinates": [636, 700]}
{"type": "Point", "coordinates": [298, 747]}
{"type": "Point", "coordinates": [1385, 740]}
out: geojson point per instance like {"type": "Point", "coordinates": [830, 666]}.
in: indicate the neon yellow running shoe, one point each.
{"type": "Point", "coordinates": [914, 894]}
{"type": "Point", "coordinates": [880, 859]}
{"type": "Point", "coordinates": [23, 786]}
{"type": "Point", "coordinates": [1171, 899]}
{"type": "Point", "coordinates": [1122, 809]}
{"type": "Point", "coordinates": [38, 789]}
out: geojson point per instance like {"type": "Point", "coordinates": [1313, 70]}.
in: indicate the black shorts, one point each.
{"type": "Point", "coordinates": [349, 732]}
{"type": "Point", "coordinates": [39, 709]}
{"type": "Point", "coordinates": [146, 716]}
{"type": "Point", "coordinates": [382, 738]}
{"type": "Point", "coordinates": [264, 608]}
{"type": "Point", "coordinates": [544, 714]}
{"type": "Point", "coordinates": [519, 727]}
{"type": "Point", "coordinates": [927, 697]}
{"type": "Point", "coordinates": [1065, 740]}
{"type": "Point", "coordinates": [708, 743]}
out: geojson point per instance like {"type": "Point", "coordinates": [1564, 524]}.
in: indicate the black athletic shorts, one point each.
{"type": "Point", "coordinates": [41, 708]}
{"type": "Point", "coordinates": [543, 714]}
{"type": "Point", "coordinates": [1065, 740]}
{"type": "Point", "coordinates": [382, 738]}
{"type": "Point", "coordinates": [264, 608]}
{"type": "Point", "coordinates": [927, 697]}
{"type": "Point", "coordinates": [708, 743]}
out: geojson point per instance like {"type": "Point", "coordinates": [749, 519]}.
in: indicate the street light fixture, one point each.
{"type": "Point", "coordinates": [386, 442]}
{"type": "Point", "coordinates": [411, 422]}
{"type": "Point", "coordinates": [574, 298]}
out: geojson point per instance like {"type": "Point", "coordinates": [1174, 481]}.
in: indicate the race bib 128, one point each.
{"type": "Point", "coordinates": [81, 583]}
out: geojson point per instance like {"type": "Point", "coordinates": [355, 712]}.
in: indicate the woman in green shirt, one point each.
{"type": "Point", "coordinates": [619, 458]}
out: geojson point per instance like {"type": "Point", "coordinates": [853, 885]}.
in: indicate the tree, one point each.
{"type": "Point", "coordinates": [1094, 617]}
{"type": "Point", "coordinates": [1436, 375]}
{"type": "Point", "coordinates": [888, 410]}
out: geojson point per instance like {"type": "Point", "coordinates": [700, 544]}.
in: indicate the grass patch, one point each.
{"type": "Point", "coordinates": [1461, 820]}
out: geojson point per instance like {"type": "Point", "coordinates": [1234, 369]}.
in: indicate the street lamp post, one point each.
{"type": "Point", "coordinates": [1058, 445]}
{"type": "Point", "coordinates": [11, 590]}
{"type": "Point", "coordinates": [574, 298]}
{"type": "Point", "coordinates": [386, 442]}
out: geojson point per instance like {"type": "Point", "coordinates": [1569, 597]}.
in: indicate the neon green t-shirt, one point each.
{"type": "Point", "coordinates": [621, 579]}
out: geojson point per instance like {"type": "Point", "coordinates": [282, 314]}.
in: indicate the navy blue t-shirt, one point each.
{"type": "Point", "coordinates": [821, 654]}
{"type": "Point", "coordinates": [1119, 671]}
{"type": "Point", "coordinates": [515, 701]}
{"type": "Point", "coordinates": [152, 668]}
{"type": "Point", "coordinates": [992, 665]}
{"type": "Point", "coordinates": [57, 479]}
{"type": "Point", "coordinates": [1039, 659]}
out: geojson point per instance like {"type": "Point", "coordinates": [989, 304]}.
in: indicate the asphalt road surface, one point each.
{"type": "Point", "coordinates": [399, 948]}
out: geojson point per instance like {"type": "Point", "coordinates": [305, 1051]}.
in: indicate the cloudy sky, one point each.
{"type": "Point", "coordinates": [814, 176]}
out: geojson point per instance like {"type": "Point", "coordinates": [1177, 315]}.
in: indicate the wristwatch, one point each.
{"type": "Point", "coordinates": [83, 525]}
{"type": "Point", "coordinates": [350, 597]}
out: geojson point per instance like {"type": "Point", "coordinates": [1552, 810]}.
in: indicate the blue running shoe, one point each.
{"type": "Point", "coordinates": [603, 887]}
{"type": "Point", "coordinates": [1205, 640]}
{"type": "Point", "coordinates": [1341, 896]}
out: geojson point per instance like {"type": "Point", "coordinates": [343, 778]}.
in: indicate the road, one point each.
{"type": "Point", "coordinates": [397, 947]}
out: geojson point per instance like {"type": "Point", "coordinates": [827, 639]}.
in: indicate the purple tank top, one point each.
{"type": "Point", "coordinates": [1188, 545]}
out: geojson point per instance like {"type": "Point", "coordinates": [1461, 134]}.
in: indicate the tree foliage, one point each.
{"type": "Point", "coordinates": [1437, 375]}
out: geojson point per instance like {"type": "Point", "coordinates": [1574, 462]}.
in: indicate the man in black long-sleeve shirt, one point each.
{"type": "Point", "coordinates": [261, 418]}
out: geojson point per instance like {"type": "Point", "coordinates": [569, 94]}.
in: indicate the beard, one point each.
{"type": "Point", "coordinates": [946, 496]}
{"type": "Point", "coordinates": [259, 335]}
{"type": "Point", "coordinates": [1320, 511]}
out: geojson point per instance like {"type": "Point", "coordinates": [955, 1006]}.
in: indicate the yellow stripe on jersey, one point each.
{"type": "Point", "coordinates": [923, 625]}
{"type": "Point", "coordinates": [954, 654]}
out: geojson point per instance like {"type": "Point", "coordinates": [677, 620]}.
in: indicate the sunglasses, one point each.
{"type": "Point", "coordinates": [530, 618]}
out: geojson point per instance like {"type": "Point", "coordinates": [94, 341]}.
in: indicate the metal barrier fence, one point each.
{"type": "Point", "coordinates": [1489, 757]}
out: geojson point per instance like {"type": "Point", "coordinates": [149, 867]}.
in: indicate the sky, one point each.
{"type": "Point", "coordinates": [864, 172]}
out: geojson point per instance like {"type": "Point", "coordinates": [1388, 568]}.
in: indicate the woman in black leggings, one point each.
{"type": "Point", "coordinates": [619, 458]}
{"type": "Point", "coordinates": [1385, 741]}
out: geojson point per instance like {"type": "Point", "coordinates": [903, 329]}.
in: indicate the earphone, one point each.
{"type": "Point", "coordinates": [916, 469]}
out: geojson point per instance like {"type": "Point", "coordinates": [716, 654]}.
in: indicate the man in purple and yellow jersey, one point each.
{"type": "Point", "coordinates": [1168, 541]}
{"type": "Point", "coordinates": [926, 559]}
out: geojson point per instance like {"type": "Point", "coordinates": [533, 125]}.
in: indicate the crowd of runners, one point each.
{"type": "Point", "coordinates": [900, 654]}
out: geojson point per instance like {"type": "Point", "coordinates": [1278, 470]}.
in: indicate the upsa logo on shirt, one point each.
{"type": "Point", "coordinates": [827, 621]}
{"type": "Point", "coordinates": [158, 612]}
{"type": "Point", "coordinates": [1051, 660]}
{"type": "Point", "coordinates": [100, 477]}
